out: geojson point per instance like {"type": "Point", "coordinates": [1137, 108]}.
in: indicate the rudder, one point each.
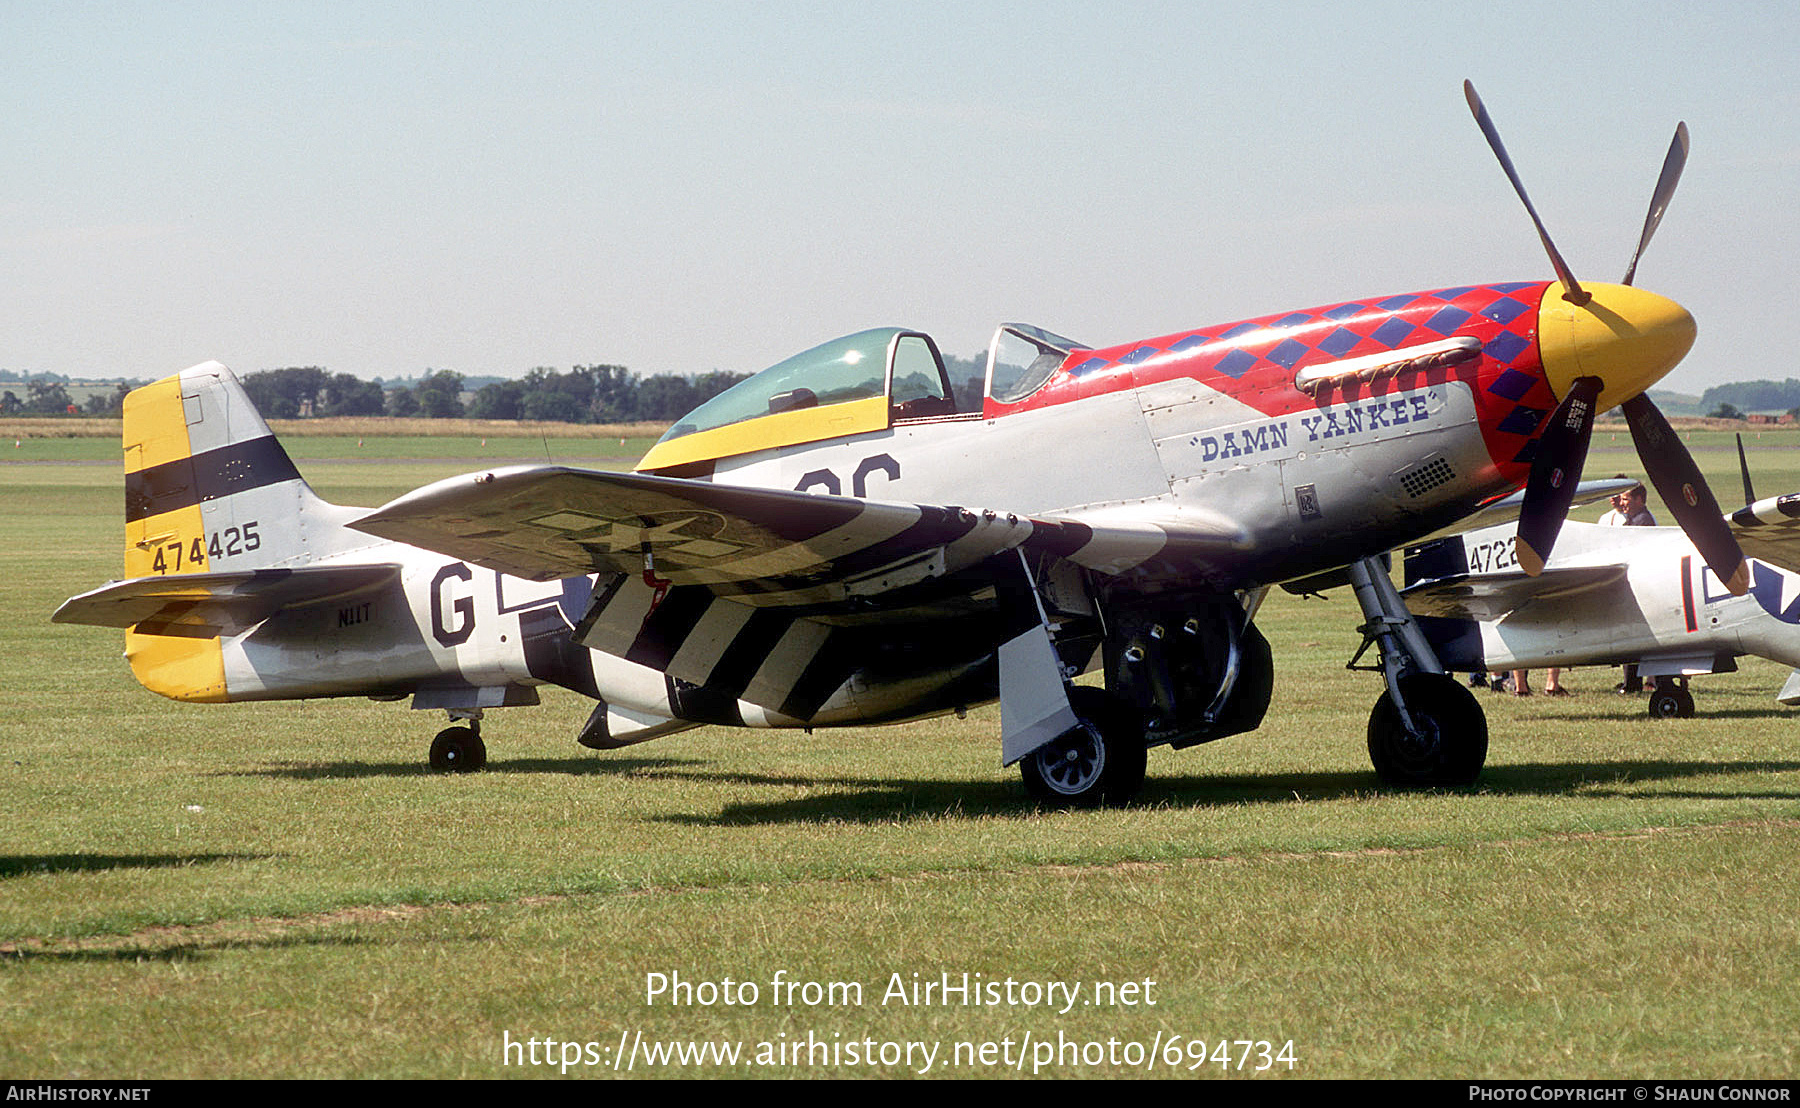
{"type": "Point", "coordinates": [208, 488]}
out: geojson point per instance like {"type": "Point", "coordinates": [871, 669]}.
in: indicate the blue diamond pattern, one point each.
{"type": "Point", "coordinates": [1512, 384]}
{"type": "Point", "coordinates": [1506, 347]}
{"type": "Point", "coordinates": [1522, 420]}
{"type": "Point", "coordinates": [1505, 310]}
{"type": "Point", "coordinates": [1446, 322]}
{"type": "Point", "coordinates": [1393, 332]}
{"type": "Point", "coordinates": [1288, 352]}
{"type": "Point", "coordinates": [1527, 452]}
{"type": "Point", "coordinates": [1236, 363]}
{"type": "Point", "coordinates": [1339, 342]}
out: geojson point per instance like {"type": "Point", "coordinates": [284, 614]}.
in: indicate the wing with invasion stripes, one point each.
{"type": "Point", "coordinates": [766, 547]}
{"type": "Point", "coordinates": [1770, 530]}
{"type": "Point", "coordinates": [765, 595]}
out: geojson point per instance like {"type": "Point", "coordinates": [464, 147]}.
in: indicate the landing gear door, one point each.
{"type": "Point", "coordinates": [1034, 700]}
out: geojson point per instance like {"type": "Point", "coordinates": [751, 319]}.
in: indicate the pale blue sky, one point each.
{"type": "Point", "coordinates": [382, 188]}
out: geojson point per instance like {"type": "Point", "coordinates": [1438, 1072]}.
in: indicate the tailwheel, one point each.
{"type": "Point", "coordinates": [1099, 761]}
{"type": "Point", "coordinates": [1673, 702]}
{"type": "Point", "coordinates": [1449, 740]}
{"type": "Point", "coordinates": [458, 750]}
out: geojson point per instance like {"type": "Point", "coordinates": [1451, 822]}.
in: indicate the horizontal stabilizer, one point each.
{"type": "Point", "coordinates": [205, 605]}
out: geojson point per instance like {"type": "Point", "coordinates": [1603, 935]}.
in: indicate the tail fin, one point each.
{"type": "Point", "coordinates": [208, 490]}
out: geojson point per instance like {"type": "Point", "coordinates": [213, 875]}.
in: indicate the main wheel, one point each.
{"type": "Point", "coordinates": [1099, 761]}
{"type": "Point", "coordinates": [1671, 703]}
{"type": "Point", "coordinates": [458, 750]}
{"type": "Point", "coordinates": [1450, 745]}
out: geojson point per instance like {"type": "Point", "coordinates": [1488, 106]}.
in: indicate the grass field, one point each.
{"type": "Point", "coordinates": [283, 890]}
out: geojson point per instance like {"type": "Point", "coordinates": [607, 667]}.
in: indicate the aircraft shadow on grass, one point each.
{"type": "Point", "coordinates": [26, 865]}
{"type": "Point", "coordinates": [1548, 779]}
{"type": "Point", "coordinates": [575, 767]}
{"type": "Point", "coordinates": [880, 800]}
{"type": "Point", "coordinates": [1710, 712]}
{"type": "Point", "coordinates": [195, 951]}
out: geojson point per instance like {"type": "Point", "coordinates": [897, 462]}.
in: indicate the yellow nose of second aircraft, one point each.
{"type": "Point", "coordinates": [1625, 336]}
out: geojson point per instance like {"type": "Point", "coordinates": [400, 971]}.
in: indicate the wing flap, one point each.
{"type": "Point", "coordinates": [205, 605]}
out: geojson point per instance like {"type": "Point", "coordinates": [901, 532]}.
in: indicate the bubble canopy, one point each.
{"type": "Point", "coordinates": [856, 384]}
{"type": "Point", "coordinates": [850, 368]}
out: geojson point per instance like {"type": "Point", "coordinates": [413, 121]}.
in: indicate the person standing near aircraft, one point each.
{"type": "Point", "coordinates": [1629, 510]}
{"type": "Point", "coordinates": [1553, 686]}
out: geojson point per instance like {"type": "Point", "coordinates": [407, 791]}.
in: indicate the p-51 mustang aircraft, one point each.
{"type": "Point", "coordinates": [843, 540]}
{"type": "Point", "coordinates": [1614, 595]}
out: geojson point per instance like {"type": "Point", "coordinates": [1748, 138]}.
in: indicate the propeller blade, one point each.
{"type": "Point", "coordinates": [1659, 200]}
{"type": "Point", "coordinates": [1677, 479]}
{"type": "Point", "coordinates": [1555, 471]}
{"type": "Point", "coordinates": [1744, 468]}
{"type": "Point", "coordinates": [1572, 291]}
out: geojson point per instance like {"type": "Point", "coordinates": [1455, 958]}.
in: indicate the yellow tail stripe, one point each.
{"type": "Point", "coordinates": [156, 432]}
{"type": "Point", "coordinates": [155, 425]}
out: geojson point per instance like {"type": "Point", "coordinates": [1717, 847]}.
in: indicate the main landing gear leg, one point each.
{"type": "Point", "coordinates": [460, 749]}
{"type": "Point", "coordinates": [1076, 746]}
{"type": "Point", "coordinates": [1426, 729]}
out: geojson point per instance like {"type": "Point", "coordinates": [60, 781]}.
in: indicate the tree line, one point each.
{"type": "Point", "coordinates": [1730, 401]}
{"type": "Point", "coordinates": [48, 396]}
{"type": "Point", "coordinates": [584, 394]}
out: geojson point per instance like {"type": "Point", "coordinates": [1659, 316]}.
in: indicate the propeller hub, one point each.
{"type": "Point", "coordinates": [1625, 336]}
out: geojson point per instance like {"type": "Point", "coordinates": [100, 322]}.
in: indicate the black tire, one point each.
{"type": "Point", "coordinates": [458, 750]}
{"type": "Point", "coordinates": [1672, 703]}
{"type": "Point", "coordinates": [1100, 761]}
{"type": "Point", "coordinates": [1453, 740]}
